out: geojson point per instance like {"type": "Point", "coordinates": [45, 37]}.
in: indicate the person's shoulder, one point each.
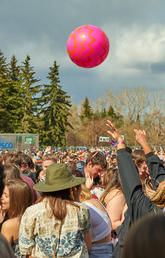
{"type": "Point", "coordinates": [11, 223]}
{"type": "Point", "coordinates": [96, 203]}
{"type": "Point", "coordinates": [81, 205]}
{"type": "Point", "coordinates": [83, 208]}
{"type": "Point", "coordinates": [114, 193]}
{"type": "Point", "coordinates": [37, 207]}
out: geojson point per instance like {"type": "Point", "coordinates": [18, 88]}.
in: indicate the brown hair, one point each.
{"type": "Point", "coordinates": [49, 157]}
{"type": "Point", "coordinates": [114, 183]}
{"type": "Point", "coordinates": [20, 197]}
{"type": "Point", "coordinates": [145, 238]}
{"type": "Point", "coordinates": [97, 158]}
{"type": "Point", "coordinates": [58, 201]}
{"type": "Point", "coordinates": [11, 172]}
{"type": "Point", "coordinates": [138, 156]}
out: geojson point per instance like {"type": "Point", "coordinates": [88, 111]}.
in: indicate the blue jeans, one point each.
{"type": "Point", "coordinates": [101, 250]}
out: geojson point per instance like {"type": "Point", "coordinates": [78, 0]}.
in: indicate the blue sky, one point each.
{"type": "Point", "coordinates": [136, 31]}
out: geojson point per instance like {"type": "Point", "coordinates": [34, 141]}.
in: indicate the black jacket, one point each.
{"type": "Point", "coordinates": [138, 204]}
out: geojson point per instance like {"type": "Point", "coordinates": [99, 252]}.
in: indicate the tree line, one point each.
{"type": "Point", "coordinates": [129, 108]}
{"type": "Point", "coordinates": [28, 106]}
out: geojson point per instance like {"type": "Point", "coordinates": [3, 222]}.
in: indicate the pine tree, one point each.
{"type": "Point", "coordinates": [54, 111]}
{"type": "Point", "coordinates": [29, 90]}
{"type": "Point", "coordinates": [15, 99]}
{"type": "Point", "coordinates": [115, 117]}
{"type": "Point", "coordinates": [103, 113]}
{"type": "Point", "coordinates": [4, 86]}
{"type": "Point", "coordinates": [86, 110]}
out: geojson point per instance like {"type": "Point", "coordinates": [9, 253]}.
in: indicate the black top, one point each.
{"type": "Point", "coordinates": [138, 203]}
{"type": "Point", "coordinates": [5, 218]}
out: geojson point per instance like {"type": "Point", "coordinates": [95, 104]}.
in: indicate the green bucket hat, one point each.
{"type": "Point", "coordinates": [58, 177]}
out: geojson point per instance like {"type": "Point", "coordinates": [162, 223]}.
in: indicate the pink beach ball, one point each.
{"type": "Point", "coordinates": [88, 46]}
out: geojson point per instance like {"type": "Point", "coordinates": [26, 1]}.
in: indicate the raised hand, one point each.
{"type": "Point", "coordinates": [113, 132]}
{"type": "Point", "coordinates": [89, 181]}
{"type": "Point", "coordinates": [141, 138]}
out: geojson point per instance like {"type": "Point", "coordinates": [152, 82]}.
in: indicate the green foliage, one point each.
{"type": "Point", "coordinates": [55, 109]}
{"type": "Point", "coordinates": [29, 90]}
{"type": "Point", "coordinates": [5, 85]}
{"type": "Point", "coordinates": [14, 99]}
{"type": "Point", "coordinates": [86, 110]}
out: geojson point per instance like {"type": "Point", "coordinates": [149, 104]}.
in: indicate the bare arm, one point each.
{"type": "Point", "coordinates": [115, 210]}
{"type": "Point", "coordinates": [7, 231]}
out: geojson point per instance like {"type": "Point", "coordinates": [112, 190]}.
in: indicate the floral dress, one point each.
{"type": "Point", "coordinates": [39, 232]}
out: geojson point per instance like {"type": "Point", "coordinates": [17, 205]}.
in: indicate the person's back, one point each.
{"type": "Point", "coordinates": [47, 229]}
{"type": "Point", "coordinates": [57, 226]}
{"type": "Point", "coordinates": [102, 245]}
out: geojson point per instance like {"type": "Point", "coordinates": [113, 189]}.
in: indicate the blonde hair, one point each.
{"type": "Point", "coordinates": [85, 193]}
{"type": "Point", "coordinates": [156, 196]}
{"type": "Point", "coordinates": [114, 183]}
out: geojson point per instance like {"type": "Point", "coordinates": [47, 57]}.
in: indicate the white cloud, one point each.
{"type": "Point", "coordinates": [133, 49]}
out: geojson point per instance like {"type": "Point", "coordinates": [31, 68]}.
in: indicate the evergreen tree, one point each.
{"type": "Point", "coordinates": [86, 110]}
{"type": "Point", "coordinates": [111, 112]}
{"type": "Point", "coordinates": [4, 86]}
{"type": "Point", "coordinates": [29, 90]}
{"type": "Point", "coordinates": [115, 117]}
{"type": "Point", "coordinates": [103, 113]}
{"type": "Point", "coordinates": [55, 109]}
{"type": "Point", "coordinates": [14, 100]}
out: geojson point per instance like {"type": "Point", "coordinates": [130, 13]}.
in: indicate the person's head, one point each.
{"type": "Point", "coordinates": [26, 162]}
{"type": "Point", "coordinates": [16, 197]}
{"type": "Point", "coordinates": [141, 164]}
{"type": "Point", "coordinates": [85, 193]}
{"type": "Point", "coordinates": [96, 163]}
{"type": "Point", "coordinates": [11, 172]}
{"type": "Point", "coordinates": [59, 188]}
{"type": "Point", "coordinates": [113, 182]}
{"type": "Point", "coordinates": [47, 160]}
{"type": "Point", "coordinates": [40, 154]}
{"type": "Point", "coordinates": [145, 238]}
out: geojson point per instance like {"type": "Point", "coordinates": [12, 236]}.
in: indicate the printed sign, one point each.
{"type": "Point", "coordinates": [103, 139]}
{"type": "Point", "coordinates": [29, 140]}
{"type": "Point", "coordinates": [4, 144]}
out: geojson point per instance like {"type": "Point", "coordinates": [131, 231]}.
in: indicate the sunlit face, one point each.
{"type": "Point", "coordinates": [46, 163]}
{"type": "Point", "coordinates": [5, 199]}
{"type": "Point", "coordinates": [95, 170]}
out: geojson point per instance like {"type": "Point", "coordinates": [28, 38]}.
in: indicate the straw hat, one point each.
{"type": "Point", "coordinates": [58, 177]}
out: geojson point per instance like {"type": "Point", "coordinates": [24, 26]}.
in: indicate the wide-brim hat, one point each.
{"type": "Point", "coordinates": [58, 177]}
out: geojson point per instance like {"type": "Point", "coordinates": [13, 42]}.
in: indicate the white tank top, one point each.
{"type": "Point", "coordinates": [101, 225]}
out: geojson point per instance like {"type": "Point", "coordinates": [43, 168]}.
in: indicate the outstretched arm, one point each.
{"type": "Point", "coordinates": [155, 165]}
{"type": "Point", "coordinates": [127, 169]}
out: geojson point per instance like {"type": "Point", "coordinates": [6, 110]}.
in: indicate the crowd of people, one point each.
{"type": "Point", "coordinates": [93, 203]}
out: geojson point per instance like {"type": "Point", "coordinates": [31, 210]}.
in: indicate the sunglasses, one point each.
{"type": "Point", "coordinates": [96, 153]}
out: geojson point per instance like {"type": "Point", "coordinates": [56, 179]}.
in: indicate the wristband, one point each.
{"type": "Point", "coordinates": [113, 143]}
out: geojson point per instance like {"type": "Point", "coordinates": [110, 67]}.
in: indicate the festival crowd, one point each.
{"type": "Point", "coordinates": [94, 203]}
